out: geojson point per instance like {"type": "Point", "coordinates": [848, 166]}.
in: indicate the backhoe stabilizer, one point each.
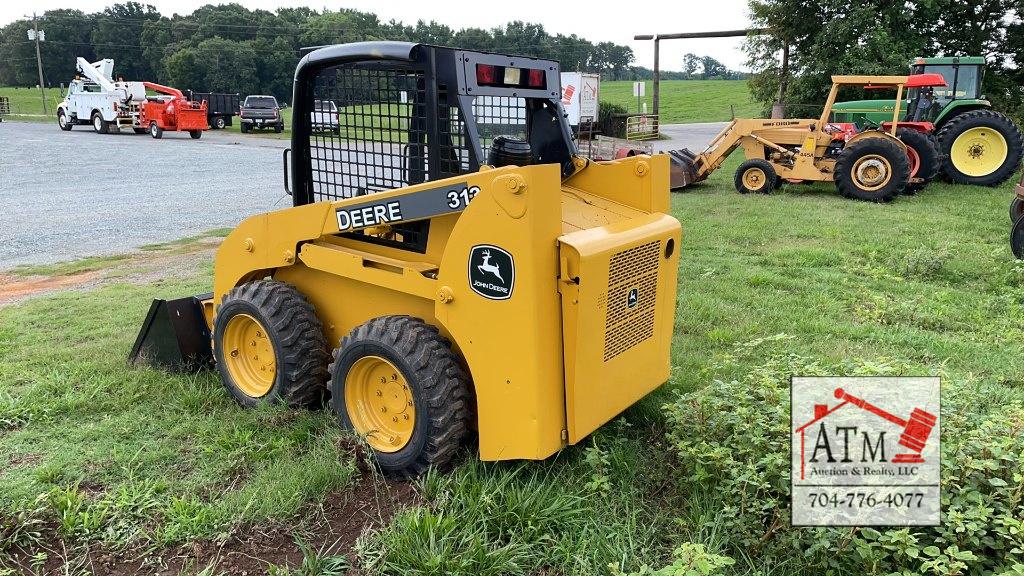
{"type": "Point", "coordinates": [175, 335]}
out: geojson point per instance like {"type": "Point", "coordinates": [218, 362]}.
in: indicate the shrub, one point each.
{"type": "Point", "coordinates": [732, 441]}
{"type": "Point", "coordinates": [611, 119]}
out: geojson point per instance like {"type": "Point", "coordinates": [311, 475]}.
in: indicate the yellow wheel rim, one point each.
{"type": "Point", "coordinates": [754, 178]}
{"type": "Point", "coordinates": [249, 355]}
{"type": "Point", "coordinates": [979, 151]}
{"type": "Point", "coordinates": [379, 403]}
{"type": "Point", "coordinates": [871, 172]}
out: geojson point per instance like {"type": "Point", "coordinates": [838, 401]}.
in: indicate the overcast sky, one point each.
{"type": "Point", "coordinates": [596, 20]}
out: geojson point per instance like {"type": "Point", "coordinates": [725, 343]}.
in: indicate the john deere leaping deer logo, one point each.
{"type": "Point", "coordinates": [492, 272]}
{"type": "Point", "coordinates": [488, 267]}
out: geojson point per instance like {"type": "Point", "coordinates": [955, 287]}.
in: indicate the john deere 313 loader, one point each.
{"type": "Point", "coordinates": [449, 264]}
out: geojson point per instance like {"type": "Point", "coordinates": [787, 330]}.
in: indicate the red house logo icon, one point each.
{"type": "Point", "coordinates": [914, 435]}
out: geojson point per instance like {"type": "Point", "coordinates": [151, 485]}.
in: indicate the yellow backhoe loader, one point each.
{"type": "Point", "coordinates": [865, 162]}
{"type": "Point", "coordinates": [449, 264]}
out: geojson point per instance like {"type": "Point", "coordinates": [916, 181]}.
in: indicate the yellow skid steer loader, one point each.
{"type": "Point", "coordinates": [449, 264]}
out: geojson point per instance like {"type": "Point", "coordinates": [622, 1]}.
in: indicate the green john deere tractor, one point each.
{"type": "Point", "coordinates": [978, 145]}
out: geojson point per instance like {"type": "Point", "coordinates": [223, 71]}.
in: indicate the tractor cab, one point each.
{"type": "Point", "coordinates": [963, 82]}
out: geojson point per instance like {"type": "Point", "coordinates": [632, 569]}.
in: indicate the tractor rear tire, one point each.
{"type": "Point", "coordinates": [1017, 239]}
{"type": "Point", "coordinates": [394, 367]}
{"type": "Point", "coordinates": [272, 319]}
{"type": "Point", "coordinates": [99, 125]}
{"type": "Point", "coordinates": [981, 147]}
{"type": "Point", "coordinates": [63, 121]}
{"type": "Point", "coordinates": [1016, 209]}
{"type": "Point", "coordinates": [928, 158]}
{"type": "Point", "coordinates": [195, 134]}
{"type": "Point", "coordinates": [874, 169]}
{"type": "Point", "coordinates": [755, 177]}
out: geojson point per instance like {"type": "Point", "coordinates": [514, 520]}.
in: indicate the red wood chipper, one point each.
{"type": "Point", "coordinates": [170, 110]}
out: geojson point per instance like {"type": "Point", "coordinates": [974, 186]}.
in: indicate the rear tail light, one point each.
{"type": "Point", "coordinates": [535, 79]}
{"type": "Point", "coordinates": [485, 74]}
{"type": "Point", "coordinates": [509, 76]}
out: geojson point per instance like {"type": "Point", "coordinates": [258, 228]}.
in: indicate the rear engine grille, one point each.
{"type": "Point", "coordinates": [631, 271]}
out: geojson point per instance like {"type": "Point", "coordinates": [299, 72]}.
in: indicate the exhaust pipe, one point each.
{"type": "Point", "coordinates": [175, 335]}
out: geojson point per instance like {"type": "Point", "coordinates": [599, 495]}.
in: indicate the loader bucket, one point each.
{"type": "Point", "coordinates": [174, 335]}
{"type": "Point", "coordinates": [682, 169]}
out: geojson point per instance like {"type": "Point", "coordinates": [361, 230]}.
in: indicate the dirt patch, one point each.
{"type": "Point", "coordinates": [18, 460]}
{"type": "Point", "coordinates": [14, 288]}
{"type": "Point", "coordinates": [330, 528]}
{"type": "Point", "coordinates": [150, 266]}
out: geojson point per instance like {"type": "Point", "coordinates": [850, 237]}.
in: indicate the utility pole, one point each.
{"type": "Point", "coordinates": [38, 36]}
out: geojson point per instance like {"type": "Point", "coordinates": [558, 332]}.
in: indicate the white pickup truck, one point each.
{"type": "Point", "coordinates": [98, 100]}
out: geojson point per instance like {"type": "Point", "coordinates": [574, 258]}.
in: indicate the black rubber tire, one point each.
{"type": "Point", "coordinates": [927, 153]}
{"type": "Point", "coordinates": [139, 130]}
{"type": "Point", "coordinates": [278, 129]}
{"type": "Point", "coordinates": [195, 134]}
{"type": "Point", "coordinates": [295, 333]}
{"type": "Point", "coordinates": [244, 128]}
{"type": "Point", "coordinates": [63, 121]}
{"type": "Point", "coordinates": [1017, 239]}
{"type": "Point", "coordinates": [439, 386]}
{"type": "Point", "coordinates": [219, 123]}
{"type": "Point", "coordinates": [1016, 209]}
{"type": "Point", "coordinates": [769, 184]}
{"type": "Point", "coordinates": [887, 149]}
{"type": "Point", "coordinates": [978, 119]}
{"type": "Point", "coordinates": [99, 125]}
{"type": "Point", "coordinates": [155, 130]}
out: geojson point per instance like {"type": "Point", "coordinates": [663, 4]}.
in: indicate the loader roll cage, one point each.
{"type": "Point", "coordinates": [413, 113]}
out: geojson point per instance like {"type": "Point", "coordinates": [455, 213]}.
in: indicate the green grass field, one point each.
{"type": "Point", "coordinates": [685, 101]}
{"type": "Point", "coordinates": [104, 460]}
{"type": "Point", "coordinates": [27, 101]}
{"type": "Point", "coordinates": [682, 101]}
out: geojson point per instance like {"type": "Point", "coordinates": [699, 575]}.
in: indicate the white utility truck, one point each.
{"type": "Point", "coordinates": [98, 100]}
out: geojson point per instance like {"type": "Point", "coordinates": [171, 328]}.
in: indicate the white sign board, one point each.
{"type": "Point", "coordinates": [580, 95]}
{"type": "Point", "coordinates": [639, 89]}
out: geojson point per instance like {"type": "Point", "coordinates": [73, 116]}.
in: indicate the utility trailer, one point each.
{"type": "Point", "coordinates": [220, 107]}
{"type": "Point", "coordinates": [98, 100]}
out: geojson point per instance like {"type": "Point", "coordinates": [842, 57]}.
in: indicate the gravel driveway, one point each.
{"type": "Point", "coordinates": [67, 195]}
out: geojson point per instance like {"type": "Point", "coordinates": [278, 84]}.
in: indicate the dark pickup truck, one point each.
{"type": "Point", "coordinates": [260, 113]}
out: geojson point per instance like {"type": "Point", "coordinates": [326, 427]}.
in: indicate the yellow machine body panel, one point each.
{"type": "Point", "coordinates": [618, 304]}
{"type": "Point", "coordinates": [536, 352]}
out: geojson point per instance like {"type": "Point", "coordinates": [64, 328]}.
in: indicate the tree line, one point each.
{"type": "Point", "coordinates": [230, 48]}
{"type": "Point", "coordinates": [882, 37]}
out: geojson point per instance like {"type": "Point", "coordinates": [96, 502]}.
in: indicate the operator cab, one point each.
{"type": "Point", "coordinates": [963, 82]}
